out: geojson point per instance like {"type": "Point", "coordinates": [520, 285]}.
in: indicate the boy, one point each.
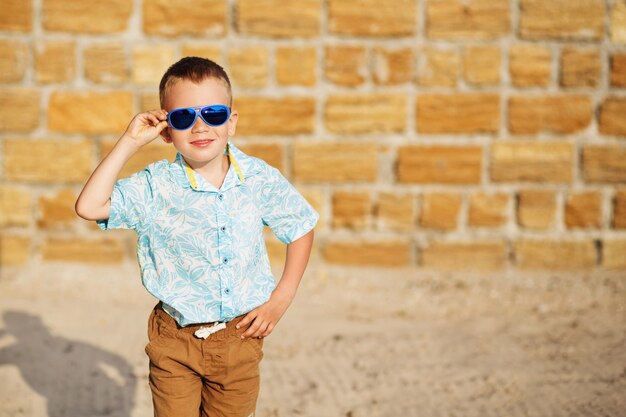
{"type": "Point", "coordinates": [199, 222]}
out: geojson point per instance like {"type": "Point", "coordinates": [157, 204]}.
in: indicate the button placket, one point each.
{"type": "Point", "coordinates": [226, 269]}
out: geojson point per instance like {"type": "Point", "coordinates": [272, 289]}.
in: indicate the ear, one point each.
{"type": "Point", "coordinates": [165, 135]}
{"type": "Point", "coordinates": [232, 122]}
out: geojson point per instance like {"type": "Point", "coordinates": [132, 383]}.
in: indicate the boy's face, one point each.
{"type": "Point", "coordinates": [200, 143]}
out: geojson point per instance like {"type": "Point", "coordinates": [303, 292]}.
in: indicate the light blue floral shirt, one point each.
{"type": "Point", "coordinates": [201, 249]}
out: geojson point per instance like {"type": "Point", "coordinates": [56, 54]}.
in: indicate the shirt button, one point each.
{"type": "Point", "coordinates": [225, 260]}
{"type": "Point", "coordinates": [220, 196]}
{"type": "Point", "coordinates": [227, 291]}
{"type": "Point", "coordinates": [223, 228]}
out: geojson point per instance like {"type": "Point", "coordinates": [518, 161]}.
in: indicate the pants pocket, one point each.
{"type": "Point", "coordinates": [255, 346]}
{"type": "Point", "coordinates": [159, 333]}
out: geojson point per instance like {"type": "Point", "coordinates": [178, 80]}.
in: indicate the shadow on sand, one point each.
{"type": "Point", "coordinates": [76, 378]}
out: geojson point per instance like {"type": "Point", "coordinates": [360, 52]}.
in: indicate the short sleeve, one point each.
{"type": "Point", "coordinates": [131, 202]}
{"type": "Point", "coordinates": [285, 210]}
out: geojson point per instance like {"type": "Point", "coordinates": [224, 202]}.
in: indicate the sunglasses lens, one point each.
{"type": "Point", "coordinates": [215, 115]}
{"type": "Point", "coordinates": [182, 118]}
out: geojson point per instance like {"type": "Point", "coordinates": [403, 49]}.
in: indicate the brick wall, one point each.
{"type": "Point", "coordinates": [481, 134]}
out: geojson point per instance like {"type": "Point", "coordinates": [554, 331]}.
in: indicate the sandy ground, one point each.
{"type": "Point", "coordinates": [354, 343]}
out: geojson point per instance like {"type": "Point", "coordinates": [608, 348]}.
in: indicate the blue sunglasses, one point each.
{"type": "Point", "coordinates": [185, 117]}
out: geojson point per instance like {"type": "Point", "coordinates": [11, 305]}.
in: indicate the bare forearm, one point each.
{"type": "Point", "coordinates": [298, 253]}
{"type": "Point", "coordinates": [93, 201]}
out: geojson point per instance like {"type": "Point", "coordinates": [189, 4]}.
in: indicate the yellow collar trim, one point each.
{"type": "Point", "coordinates": [192, 177]}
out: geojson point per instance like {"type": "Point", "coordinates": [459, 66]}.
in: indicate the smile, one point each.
{"type": "Point", "coordinates": [202, 143]}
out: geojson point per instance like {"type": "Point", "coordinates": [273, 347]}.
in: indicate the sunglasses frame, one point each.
{"type": "Point", "coordinates": [198, 111]}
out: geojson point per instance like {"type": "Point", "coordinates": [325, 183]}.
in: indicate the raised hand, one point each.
{"type": "Point", "coordinates": [146, 127]}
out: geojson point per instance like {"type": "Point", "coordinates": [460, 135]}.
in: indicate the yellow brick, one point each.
{"type": "Point", "coordinates": [14, 57]}
{"type": "Point", "coordinates": [14, 250]}
{"type": "Point", "coordinates": [372, 17]}
{"type": "Point", "coordinates": [562, 19]}
{"type": "Point", "coordinates": [351, 209]}
{"type": "Point", "coordinates": [618, 70]}
{"type": "Point", "coordinates": [458, 113]}
{"type": "Point", "coordinates": [55, 61]}
{"type": "Point", "coordinates": [392, 66]}
{"type": "Point", "coordinates": [248, 66]}
{"type": "Point", "coordinates": [580, 67]}
{"type": "Point", "coordinates": [479, 255]}
{"type": "Point", "coordinates": [149, 101]}
{"type": "Point", "coordinates": [555, 114]}
{"type": "Point", "coordinates": [425, 164]}
{"type": "Point", "coordinates": [438, 67]}
{"type": "Point", "coordinates": [481, 65]}
{"type": "Point", "coordinates": [529, 65]}
{"type": "Point", "coordinates": [296, 66]}
{"type": "Point", "coordinates": [155, 151]}
{"type": "Point", "coordinates": [19, 111]}
{"type": "Point", "coordinates": [536, 209]}
{"type": "Point", "coordinates": [614, 254]}
{"type": "Point", "coordinates": [346, 65]}
{"type": "Point", "coordinates": [101, 251]}
{"type": "Point", "coordinates": [272, 153]}
{"type": "Point", "coordinates": [47, 161]}
{"type": "Point", "coordinates": [15, 207]}
{"type": "Point", "coordinates": [57, 209]}
{"type": "Point", "coordinates": [150, 63]}
{"type": "Point", "coordinates": [180, 17]}
{"type": "Point", "coordinates": [604, 163]}
{"type": "Point", "coordinates": [612, 120]}
{"type": "Point", "coordinates": [619, 210]}
{"type": "Point", "coordinates": [106, 63]}
{"type": "Point", "coordinates": [86, 17]}
{"type": "Point", "coordinates": [16, 16]}
{"type": "Point", "coordinates": [106, 112]}
{"type": "Point", "coordinates": [551, 255]}
{"type": "Point", "coordinates": [532, 161]}
{"type": "Point", "coordinates": [396, 211]}
{"type": "Point", "coordinates": [583, 210]}
{"type": "Point", "coordinates": [214, 53]}
{"type": "Point", "coordinates": [618, 22]}
{"type": "Point", "coordinates": [289, 115]}
{"type": "Point", "coordinates": [460, 20]}
{"type": "Point", "coordinates": [488, 210]}
{"type": "Point", "coordinates": [335, 162]}
{"type": "Point", "coordinates": [366, 113]}
{"type": "Point", "coordinates": [440, 211]}
{"type": "Point", "coordinates": [379, 253]}
{"type": "Point", "coordinates": [278, 18]}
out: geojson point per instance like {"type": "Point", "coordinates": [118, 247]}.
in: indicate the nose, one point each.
{"type": "Point", "coordinates": [199, 125]}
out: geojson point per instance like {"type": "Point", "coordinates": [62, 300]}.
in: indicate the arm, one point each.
{"type": "Point", "coordinates": [94, 202]}
{"type": "Point", "coordinates": [265, 317]}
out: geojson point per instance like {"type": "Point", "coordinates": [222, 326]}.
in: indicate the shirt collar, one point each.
{"type": "Point", "coordinates": [242, 166]}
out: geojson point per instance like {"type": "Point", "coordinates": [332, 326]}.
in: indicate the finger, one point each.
{"type": "Point", "coordinates": [153, 120]}
{"type": "Point", "coordinates": [267, 332]}
{"type": "Point", "coordinates": [247, 319]}
{"type": "Point", "coordinates": [159, 114]}
{"type": "Point", "coordinates": [262, 329]}
{"type": "Point", "coordinates": [162, 125]}
{"type": "Point", "coordinates": [252, 330]}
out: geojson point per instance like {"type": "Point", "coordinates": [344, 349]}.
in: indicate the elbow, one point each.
{"type": "Point", "coordinates": [80, 210]}
{"type": "Point", "coordinates": [85, 212]}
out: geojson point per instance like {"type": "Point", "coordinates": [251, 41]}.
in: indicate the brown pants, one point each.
{"type": "Point", "coordinates": [213, 377]}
